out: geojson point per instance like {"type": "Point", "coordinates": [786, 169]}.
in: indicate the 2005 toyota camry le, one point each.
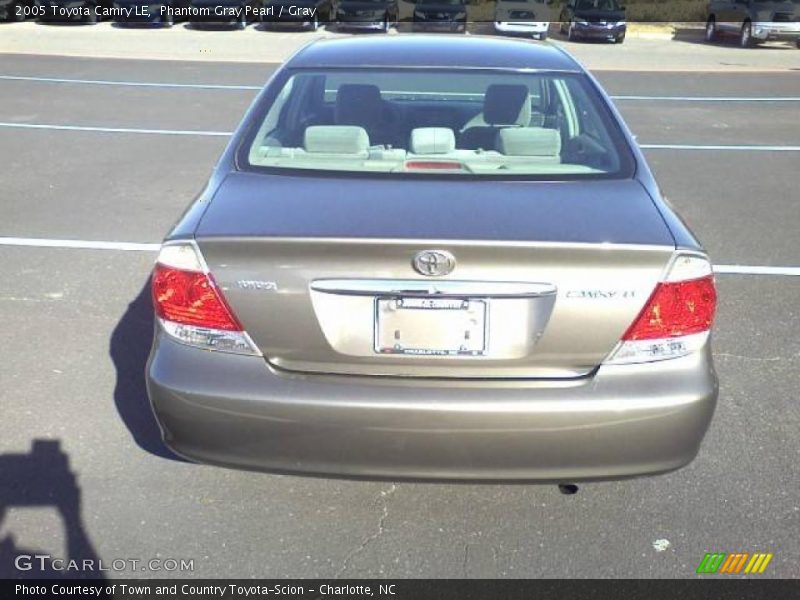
{"type": "Point", "coordinates": [433, 257]}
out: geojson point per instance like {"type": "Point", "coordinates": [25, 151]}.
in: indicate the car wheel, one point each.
{"type": "Point", "coordinates": [543, 36]}
{"type": "Point", "coordinates": [797, 43]}
{"type": "Point", "coordinates": [168, 20]}
{"type": "Point", "coordinates": [619, 39]}
{"type": "Point", "coordinates": [92, 17]}
{"type": "Point", "coordinates": [746, 35]}
{"type": "Point", "coordinates": [571, 34]}
{"type": "Point", "coordinates": [242, 22]}
{"type": "Point", "coordinates": [711, 30]}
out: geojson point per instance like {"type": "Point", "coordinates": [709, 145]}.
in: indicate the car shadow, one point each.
{"type": "Point", "coordinates": [129, 349]}
{"type": "Point", "coordinates": [696, 35]}
{"type": "Point", "coordinates": [42, 478]}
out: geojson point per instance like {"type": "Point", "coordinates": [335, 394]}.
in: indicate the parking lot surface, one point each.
{"type": "Point", "coordinates": [77, 326]}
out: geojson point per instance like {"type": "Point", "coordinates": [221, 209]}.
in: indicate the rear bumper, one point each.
{"type": "Point", "coordinates": [348, 22]}
{"type": "Point", "coordinates": [593, 31]}
{"type": "Point", "coordinates": [426, 25]}
{"type": "Point", "coordinates": [624, 421]}
{"type": "Point", "coordinates": [532, 27]}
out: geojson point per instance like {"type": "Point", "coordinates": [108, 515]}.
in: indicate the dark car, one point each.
{"type": "Point", "coordinates": [448, 15]}
{"type": "Point", "coordinates": [754, 21]}
{"type": "Point", "coordinates": [309, 14]}
{"type": "Point", "coordinates": [163, 12]}
{"type": "Point", "coordinates": [366, 14]}
{"type": "Point", "coordinates": [213, 12]}
{"type": "Point", "coordinates": [433, 256]}
{"type": "Point", "coordinates": [62, 11]}
{"type": "Point", "coordinates": [594, 19]}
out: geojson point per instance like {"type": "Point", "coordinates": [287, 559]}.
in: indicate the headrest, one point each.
{"type": "Point", "coordinates": [358, 104]}
{"type": "Point", "coordinates": [336, 139]}
{"type": "Point", "coordinates": [528, 141]}
{"type": "Point", "coordinates": [432, 140]}
{"type": "Point", "coordinates": [506, 104]}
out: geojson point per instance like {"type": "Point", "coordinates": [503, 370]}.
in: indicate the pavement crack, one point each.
{"type": "Point", "coordinates": [754, 358]}
{"type": "Point", "coordinates": [383, 498]}
{"type": "Point", "coordinates": [465, 561]}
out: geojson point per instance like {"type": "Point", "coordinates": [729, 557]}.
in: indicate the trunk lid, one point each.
{"type": "Point", "coordinates": [547, 276]}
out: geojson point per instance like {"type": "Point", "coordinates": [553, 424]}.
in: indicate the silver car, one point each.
{"type": "Point", "coordinates": [433, 257]}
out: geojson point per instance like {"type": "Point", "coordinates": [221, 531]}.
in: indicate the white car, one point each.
{"type": "Point", "coordinates": [520, 16]}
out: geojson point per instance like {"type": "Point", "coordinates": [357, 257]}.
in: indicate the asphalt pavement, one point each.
{"type": "Point", "coordinates": [77, 328]}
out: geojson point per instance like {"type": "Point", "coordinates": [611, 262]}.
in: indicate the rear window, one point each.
{"type": "Point", "coordinates": [445, 123]}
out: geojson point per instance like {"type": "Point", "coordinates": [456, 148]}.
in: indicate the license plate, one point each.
{"type": "Point", "coordinates": [431, 326]}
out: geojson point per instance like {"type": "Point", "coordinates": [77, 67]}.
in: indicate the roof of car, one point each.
{"type": "Point", "coordinates": [435, 51]}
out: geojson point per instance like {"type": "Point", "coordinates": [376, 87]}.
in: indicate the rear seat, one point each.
{"type": "Point", "coordinates": [530, 143]}
{"type": "Point", "coordinates": [345, 145]}
{"type": "Point", "coordinates": [438, 142]}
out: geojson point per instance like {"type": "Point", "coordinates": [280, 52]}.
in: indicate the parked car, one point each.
{"type": "Point", "coordinates": [87, 11]}
{"type": "Point", "coordinates": [235, 12]}
{"type": "Point", "coordinates": [522, 16]}
{"type": "Point", "coordinates": [594, 19]}
{"type": "Point", "coordinates": [310, 14]}
{"type": "Point", "coordinates": [436, 257]}
{"type": "Point", "coordinates": [448, 15]}
{"type": "Point", "coordinates": [366, 14]}
{"type": "Point", "coordinates": [754, 21]}
{"type": "Point", "coordinates": [164, 12]}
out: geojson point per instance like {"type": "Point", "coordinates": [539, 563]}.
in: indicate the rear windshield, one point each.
{"type": "Point", "coordinates": [462, 123]}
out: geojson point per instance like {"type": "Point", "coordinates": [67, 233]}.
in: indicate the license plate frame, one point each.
{"type": "Point", "coordinates": [440, 318]}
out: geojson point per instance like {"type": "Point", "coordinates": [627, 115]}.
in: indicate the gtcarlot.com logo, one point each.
{"type": "Point", "coordinates": [45, 562]}
{"type": "Point", "coordinates": [734, 562]}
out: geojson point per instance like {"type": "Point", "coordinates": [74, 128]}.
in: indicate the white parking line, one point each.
{"type": "Point", "coordinates": [79, 244]}
{"type": "Point", "coordinates": [115, 129]}
{"type": "Point", "coordinates": [145, 247]}
{"type": "Point", "coordinates": [708, 98]}
{"type": "Point", "coordinates": [10, 125]}
{"type": "Point", "coordinates": [747, 148]}
{"type": "Point", "coordinates": [194, 86]}
{"type": "Point", "coordinates": [217, 86]}
{"type": "Point", "coordinates": [753, 270]}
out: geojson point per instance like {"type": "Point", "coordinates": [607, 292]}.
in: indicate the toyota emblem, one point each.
{"type": "Point", "coordinates": [434, 263]}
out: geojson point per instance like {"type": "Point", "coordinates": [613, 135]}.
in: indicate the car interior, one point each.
{"type": "Point", "coordinates": [546, 126]}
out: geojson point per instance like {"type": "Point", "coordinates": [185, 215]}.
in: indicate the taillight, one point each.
{"type": "Point", "coordinates": [189, 305]}
{"type": "Point", "coordinates": [190, 298]}
{"type": "Point", "coordinates": [677, 317]}
{"type": "Point", "coordinates": [676, 309]}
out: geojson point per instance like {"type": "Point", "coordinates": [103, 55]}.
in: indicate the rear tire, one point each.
{"type": "Point", "coordinates": [712, 35]}
{"type": "Point", "coordinates": [746, 35]}
{"type": "Point", "coordinates": [571, 35]}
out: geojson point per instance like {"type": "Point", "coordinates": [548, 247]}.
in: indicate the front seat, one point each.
{"type": "Point", "coordinates": [361, 105]}
{"type": "Point", "coordinates": [504, 105]}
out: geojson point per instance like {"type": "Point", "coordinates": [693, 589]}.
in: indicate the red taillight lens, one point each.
{"type": "Point", "coordinates": [676, 309]}
{"type": "Point", "coordinates": [190, 298]}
